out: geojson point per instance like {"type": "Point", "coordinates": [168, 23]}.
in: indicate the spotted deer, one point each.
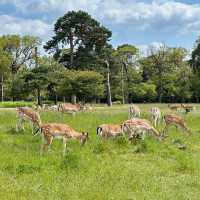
{"type": "Point", "coordinates": [70, 108]}
{"type": "Point", "coordinates": [27, 114]}
{"type": "Point", "coordinates": [139, 128]}
{"type": "Point", "coordinates": [155, 115]}
{"type": "Point", "coordinates": [177, 121]}
{"type": "Point", "coordinates": [64, 132]}
{"type": "Point", "coordinates": [134, 111]}
{"type": "Point", "coordinates": [109, 130]}
{"type": "Point", "coordinates": [187, 108]}
{"type": "Point", "coordinates": [174, 107]}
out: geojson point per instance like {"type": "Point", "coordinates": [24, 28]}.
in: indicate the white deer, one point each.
{"type": "Point", "coordinates": [155, 115]}
{"type": "Point", "coordinates": [134, 111]}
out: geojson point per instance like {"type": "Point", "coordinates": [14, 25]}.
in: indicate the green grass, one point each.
{"type": "Point", "coordinates": [101, 170]}
{"type": "Point", "coordinates": [11, 104]}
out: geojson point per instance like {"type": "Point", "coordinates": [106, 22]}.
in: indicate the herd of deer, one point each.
{"type": "Point", "coordinates": [134, 127]}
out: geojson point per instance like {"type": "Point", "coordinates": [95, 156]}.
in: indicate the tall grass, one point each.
{"type": "Point", "coordinates": [102, 169]}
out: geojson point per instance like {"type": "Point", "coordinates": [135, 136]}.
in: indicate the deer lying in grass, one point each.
{"type": "Point", "coordinates": [174, 107]}
{"type": "Point", "coordinates": [52, 131]}
{"type": "Point", "coordinates": [109, 130]}
{"type": "Point", "coordinates": [155, 115]}
{"type": "Point", "coordinates": [138, 128]}
{"type": "Point", "coordinates": [172, 119]}
{"type": "Point", "coordinates": [27, 114]}
{"type": "Point", "coordinates": [70, 108]}
{"type": "Point", "coordinates": [134, 111]}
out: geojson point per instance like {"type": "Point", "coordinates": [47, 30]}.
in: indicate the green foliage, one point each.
{"type": "Point", "coordinates": [84, 36]}
{"type": "Point", "coordinates": [84, 84]}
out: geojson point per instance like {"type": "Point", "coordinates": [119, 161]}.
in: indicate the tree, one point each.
{"type": "Point", "coordinates": [85, 85]}
{"type": "Point", "coordinates": [21, 49]}
{"type": "Point", "coordinates": [126, 55]}
{"type": "Point", "coordinates": [37, 80]}
{"type": "Point", "coordinates": [82, 34]}
{"type": "Point", "coordinates": [4, 69]}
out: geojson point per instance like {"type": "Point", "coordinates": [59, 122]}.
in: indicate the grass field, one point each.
{"type": "Point", "coordinates": [101, 170]}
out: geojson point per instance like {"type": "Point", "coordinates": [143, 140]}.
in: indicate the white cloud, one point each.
{"type": "Point", "coordinates": [160, 14]}
{"type": "Point", "coordinates": [14, 25]}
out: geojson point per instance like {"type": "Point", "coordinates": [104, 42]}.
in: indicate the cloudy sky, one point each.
{"type": "Point", "coordinates": [138, 22]}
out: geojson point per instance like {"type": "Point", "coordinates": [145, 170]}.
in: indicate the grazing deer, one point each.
{"type": "Point", "coordinates": [138, 127]}
{"type": "Point", "coordinates": [155, 115]}
{"type": "Point", "coordinates": [70, 108]}
{"type": "Point", "coordinates": [187, 108]}
{"type": "Point", "coordinates": [27, 114]}
{"type": "Point", "coordinates": [53, 108]}
{"type": "Point", "coordinates": [109, 130]}
{"type": "Point", "coordinates": [52, 131]}
{"type": "Point", "coordinates": [172, 119]}
{"type": "Point", "coordinates": [134, 111]}
{"type": "Point", "coordinates": [174, 107]}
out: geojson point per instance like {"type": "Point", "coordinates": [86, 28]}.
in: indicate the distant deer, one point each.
{"type": "Point", "coordinates": [134, 111]}
{"type": "Point", "coordinates": [109, 130]}
{"type": "Point", "coordinates": [52, 131]}
{"type": "Point", "coordinates": [177, 121]}
{"type": "Point", "coordinates": [187, 108]}
{"type": "Point", "coordinates": [70, 108]}
{"type": "Point", "coordinates": [27, 114]}
{"type": "Point", "coordinates": [138, 128]}
{"type": "Point", "coordinates": [155, 115]}
{"type": "Point", "coordinates": [174, 107]}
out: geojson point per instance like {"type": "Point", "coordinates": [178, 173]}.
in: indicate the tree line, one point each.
{"type": "Point", "coordinates": [82, 65]}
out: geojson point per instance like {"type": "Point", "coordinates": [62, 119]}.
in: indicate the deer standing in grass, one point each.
{"type": "Point", "coordinates": [155, 115]}
{"type": "Point", "coordinates": [138, 128]}
{"type": "Point", "coordinates": [109, 130]}
{"type": "Point", "coordinates": [64, 132]}
{"type": "Point", "coordinates": [187, 108]}
{"type": "Point", "coordinates": [27, 114]}
{"type": "Point", "coordinates": [172, 119]}
{"type": "Point", "coordinates": [134, 111]}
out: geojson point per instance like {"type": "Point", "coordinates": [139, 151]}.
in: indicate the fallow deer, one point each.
{"type": "Point", "coordinates": [70, 108]}
{"type": "Point", "coordinates": [134, 111]}
{"type": "Point", "coordinates": [52, 131]}
{"type": "Point", "coordinates": [172, 119]}
{"type": "Point", "coordinates": [138, 128]}
{"type": "Point", "coordinates": [27, 114]}
{"type": "Point", "coordinates": [109, 130]}
{"type": "Point", "coordinates": [187, 108]}
{"type": "Point", "coordinates": [155, 115]}
{"type": "Point", "coordinates": [174, 107]}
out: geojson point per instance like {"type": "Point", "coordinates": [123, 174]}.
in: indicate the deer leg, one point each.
{"type": "Point", "coordinates": [47, 140]}
{"type": "Point", "coordinates": [165, 130]}
{"type": "Point", "coordinates": [64, 145]}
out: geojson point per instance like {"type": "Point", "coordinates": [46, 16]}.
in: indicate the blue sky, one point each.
{"type": "Point", "coordinates": [138, 22]}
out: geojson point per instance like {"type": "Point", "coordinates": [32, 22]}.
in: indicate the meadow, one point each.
{"type": "Point", "coordinates": [102, 169]}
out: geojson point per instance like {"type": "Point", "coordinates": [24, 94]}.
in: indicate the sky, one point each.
{"type": "Point", "coordinates": [139, 22]}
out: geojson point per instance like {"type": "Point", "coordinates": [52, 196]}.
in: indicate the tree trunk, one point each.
{"type": "Point", "coordinates": [2, 88]}
{"type": "Point", "coordinates": [109, 97]}
{"type": "Point", "coordinates": [39, 97]}
{"type": "Point", "coordinates": [73, 99]}
{"type": "Point", "coordinates": [56, 99]}
{"type": "Point", "coordinates": [122, 84]}
{"type": "Point", "coordinates": [71, 51]}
